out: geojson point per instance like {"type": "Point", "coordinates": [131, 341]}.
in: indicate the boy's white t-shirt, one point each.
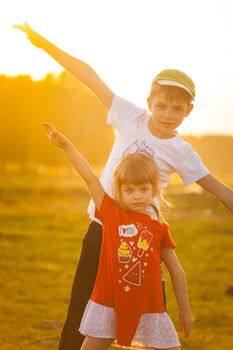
{"type": "Point", "coordinates": [172, 155]}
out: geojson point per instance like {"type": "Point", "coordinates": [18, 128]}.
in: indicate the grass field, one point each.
{"type": "Point", "coordinates": [42, 223]}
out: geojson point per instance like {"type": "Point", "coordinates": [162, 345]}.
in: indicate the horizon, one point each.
{"type": "Point", "coordinates": [185, 134]}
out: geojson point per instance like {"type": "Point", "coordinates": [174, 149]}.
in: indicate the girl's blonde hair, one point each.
{"type": "Point", "coordinates": [137, 169]}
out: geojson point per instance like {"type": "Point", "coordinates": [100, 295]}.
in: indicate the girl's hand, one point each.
{"type": "Point", "coordinates": [185, 323]}
{"type": "Point", "coordinates": [57, 138]}
{"type": "Point", "coordinates": [34, 37]}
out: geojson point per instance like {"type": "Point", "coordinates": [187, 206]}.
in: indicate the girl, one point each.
{"type": "Point", "coordinates": [127, 300]}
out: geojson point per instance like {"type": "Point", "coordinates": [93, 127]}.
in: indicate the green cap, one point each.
{"type": "Point", "coordinates": [174, 77]}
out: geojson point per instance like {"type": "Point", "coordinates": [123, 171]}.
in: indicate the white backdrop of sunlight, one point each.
{"type": "Point", "coordinates": [128, 42]}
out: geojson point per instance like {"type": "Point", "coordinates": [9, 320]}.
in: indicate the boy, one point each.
{"type": "Point", "coordinates": [170, 101]}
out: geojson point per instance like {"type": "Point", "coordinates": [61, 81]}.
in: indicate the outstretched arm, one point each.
{"type": "Point", "coordinates": [79, 163]}
{"type": "Point", "coordinates": [78, 68]}
{"type": "Point", "coordinates": [221, 191]}
{"type": "Point", "coordinates": [180, 288]}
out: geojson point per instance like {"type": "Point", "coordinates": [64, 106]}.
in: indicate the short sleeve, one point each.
{"type": "Point", "coordinates": [167, 241]}
{"type": "Point", "coordinates": [123, 112]}
{"type": "Point", "coordinates": [191, 167]}
{"type": "Point", "coordinates": [107, 208]}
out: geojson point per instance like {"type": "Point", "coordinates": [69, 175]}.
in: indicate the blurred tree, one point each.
{"type": "Point", "coordinates": [61, 100]}
{"type": "Point", "coordinates": [74, 110]}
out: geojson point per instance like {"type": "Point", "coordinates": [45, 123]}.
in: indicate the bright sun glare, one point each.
{"type": "Point", "coordinates": [128, 42]}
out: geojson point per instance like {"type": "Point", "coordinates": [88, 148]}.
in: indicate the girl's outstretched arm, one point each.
{"type": "Point", "coordinates": [78, 68]}
{"type": "Point", "coordinates": [79, 163]}
{"type": "Point", "coordinates": [180, 288]}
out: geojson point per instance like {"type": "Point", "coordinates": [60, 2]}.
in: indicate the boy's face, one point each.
{"type": "Point", "coordinates": [166, 114]}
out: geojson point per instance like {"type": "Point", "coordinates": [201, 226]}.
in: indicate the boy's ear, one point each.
{"type": "Point", "coordinates": [149, 103]}
{"type": "Point", "coordinates": [189, 109]}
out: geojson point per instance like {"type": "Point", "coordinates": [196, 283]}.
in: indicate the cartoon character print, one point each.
{"type": "Point", "coordinates": [140, 147]}
{"type": "Point", "coordinates": [124, 253]}
{"type": "Point", "coordinates": [144, 242]}
{"type": "Point", "coordinates": [134, 275]}
{"type": "Point", "coordinates": [130, 253]}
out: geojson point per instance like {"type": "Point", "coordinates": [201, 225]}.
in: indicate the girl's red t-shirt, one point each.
{"type": "Point", "coordinates": [129, 274]}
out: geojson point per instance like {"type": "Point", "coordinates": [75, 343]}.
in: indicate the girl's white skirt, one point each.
{"type": "Point", "coordinates": [155, 330]}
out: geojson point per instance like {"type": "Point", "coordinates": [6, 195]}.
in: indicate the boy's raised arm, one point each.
{"type": "Point", "coordinates": [78, 68]}
{"type": "Point", "coordinates": [221, 191]}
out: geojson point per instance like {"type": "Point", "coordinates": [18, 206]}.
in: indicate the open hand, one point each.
{"type": "Point", "coordinates": [35, 38]}
{"type": "Point", "coordinates": [185, 323]}
{"type": "Point", "coordinates": [57, 138]}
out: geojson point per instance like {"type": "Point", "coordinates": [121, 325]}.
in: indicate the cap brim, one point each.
{"type": "Point", "coordinates": [175, 83]}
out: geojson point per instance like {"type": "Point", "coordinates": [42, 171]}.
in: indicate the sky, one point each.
{"type": "Point", "coordinates": [128, 42]}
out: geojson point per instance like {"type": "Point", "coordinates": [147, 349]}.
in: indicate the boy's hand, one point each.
{"type": "Point", "coordinates": [35, 38]}
{"type": "Point", "coordinates": [185, 323]}
{"type": "Point", "coordinates": [55, 136]}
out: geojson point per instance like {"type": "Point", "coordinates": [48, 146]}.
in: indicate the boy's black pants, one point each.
{"type": "Point", "coordinates": [82, 287]}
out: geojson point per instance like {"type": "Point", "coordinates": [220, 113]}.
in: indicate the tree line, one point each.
{"type": "Point", "coordinates": [74, 110]}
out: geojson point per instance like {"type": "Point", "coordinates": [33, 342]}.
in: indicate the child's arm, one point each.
{"type": "Point", "coordinates": [221, 191]}
{"type": "Point", "coordinates": [78, 68]}
{"type": "Point", "coordinates": [79, 163]}
{"type": "Point", "coordinates": [180, 288]}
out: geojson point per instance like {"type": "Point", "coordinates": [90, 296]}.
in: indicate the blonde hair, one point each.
{"type": "Point", "coordinates": [137, 169]}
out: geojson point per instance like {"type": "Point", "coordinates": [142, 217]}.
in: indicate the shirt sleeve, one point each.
{"type": "Point", "coordinates": [107, 207]}
{"type": "Point", "coordinates": [167, 241]}
{"type": "Point", "coordinates": [123, 112]}
{"type": "Point", "coordinates": [191, 168]}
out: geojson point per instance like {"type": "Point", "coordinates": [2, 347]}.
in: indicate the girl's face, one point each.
{"type": "Point", "coordinates": [136, 197]}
